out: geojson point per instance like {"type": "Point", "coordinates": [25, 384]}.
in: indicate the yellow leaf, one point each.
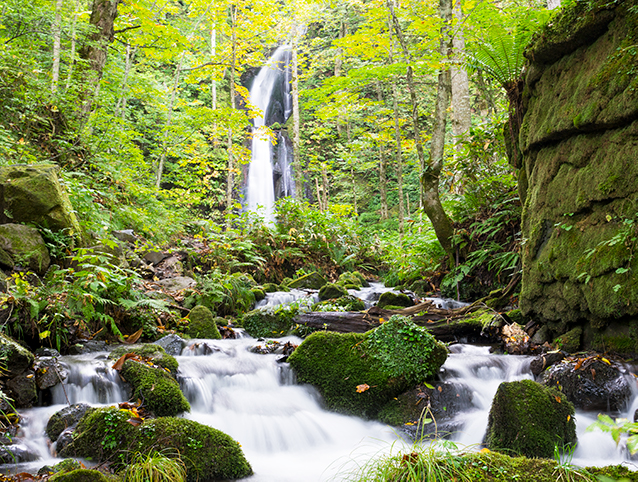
{"type": "Point", "coordinates": [485, 450]}
{"type": "Point", "coordinates": [606, 361]}
{"type": "Point", "coordinates": [569, 417]}
{"type": "Point", "coordinates": [363, 387]}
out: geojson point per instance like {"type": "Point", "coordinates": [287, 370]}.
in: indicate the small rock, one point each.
{"type": "Point", "coordinates": [543, 335]}
{"type": "Point", "coordinates": [64, 419]}
{"type": "Point", "coordinates": [48, 372]}
{"type": "Point", "coordinates": [23, 389]}
{"type": "Point", "coordinates": [89, 346]}
{"type": "Point", "coordinates": [155, 257]}
{"type": "Point", "coordinates": [541, 362]}
{"type": "Point", "coordinates": [126, 235]}
{"type": "Point", "coordinates": [172, 344]}
{"type": "Point", "coordinates": [178, 283]}
{"type": "Point", "coordinates": [43, 351]}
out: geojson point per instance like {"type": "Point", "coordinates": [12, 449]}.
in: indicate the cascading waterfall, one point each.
{"type": "Point", "coordinates": [274, 77]}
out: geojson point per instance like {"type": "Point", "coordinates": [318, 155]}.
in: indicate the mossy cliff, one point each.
{"type": "Point", "coordinates": [577, 139]}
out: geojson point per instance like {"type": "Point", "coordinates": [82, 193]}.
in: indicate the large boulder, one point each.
{"type": "Point", "coordinates": [358, 373]}
{"type": "Point", "coordinates": [207, 453]}
{"type": "Point", "coordinates": [390, 298]}
{"type": "Point", "coordinates": [33, 194]}
{"type": "Point", "coordinates": [153, 351]}
{"type": "Point", "coordinates": [48, 372]}
{"type": "Point", "coordinates": [22, 389]}
{"type": "Point", "coordinates": [268, 322]}
{"type": "Point", "coordinates": [172, 344]}
{"type": "Point", "coordinates": [591, 383]}
{"type": "Point", "coordinates": [16, 358]}
{"type": "Point", "coordinates": [331, 291]}
{"type": "Point", "coordinates": [202, 324]}
{"type": "Point", "coordinates": [25, 246]}
{"type": "Point", "coordinates": [527, 418]}
{"type": "Point", "coordinates": [575, 143]}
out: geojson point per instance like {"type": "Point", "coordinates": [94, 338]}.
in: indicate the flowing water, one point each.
{"type": "Point", "coordinates": [260, 188]}
{"type": "Point", "coordinates": [284, 431]}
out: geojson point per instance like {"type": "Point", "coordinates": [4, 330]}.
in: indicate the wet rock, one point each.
{"type": "Point", "coordinates": [570, 341]}
{"type": "Point", "coordinates": [16, 358]}
{"type": "Point", "coordinates": [22, 389]}
{"type": "Point", "coordinates": [172, 344]}
{"type": "Point", "coordinates": [590, 383]}
{"type": "Point", "coordinates": [273, 347]}
{"type": "Point", "coordinates": [25, 244]}
{"type": "Point", "coordinates": [126, 235]}
{"type": "Point", "coordinates": [48, 372]}
{"type": "Point", "coordinates": [89, 346]}
{"type": "Point", "coordinates": [527, 418]}
{"type": "Point", "coordinates": [16, 454]}
{"type": "Point", "coordinates": [390, 298]}
{"type": "Point", "coordinates": [179, 283]}
{"type": "Point", "coordinates": [64, 419]}
{"type": "Point", "coordinates": [154, 257]}
{"type": "Point", "coordinates": [65, 438]}
{"type": "Point", "coordinates": [44, 351]}
{"type": "Point", "coordinates": [544, 361]}
{"type": "Point", "coordinates": [541, 336]}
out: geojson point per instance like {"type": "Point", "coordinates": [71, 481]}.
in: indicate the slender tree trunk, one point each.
{"type": "Point", "coordinates": [121, 103]}
{"type": "Point", "coordinates": [383, 179]}
{"type": "Point", "coordinates": [69, 73]}
{"type": "Point", "coordinates": [319, 200]}
{"type": "Point", "coordinates": [397, 139]}
{"type": "Point", "coordinates": [296, 122]}
{"type": "Point", "coordinates": [230, 176]}
{"type": "Point", "coordinates": [337, 71]}
{"type": "Point", "coordinates": [432, 171]}
{"type": "Point", "coordinates": [324, 179]}
{"type": "Point", "coordinates": [213, 82]}
{"type": "Point", "coordinates": [57, 35]}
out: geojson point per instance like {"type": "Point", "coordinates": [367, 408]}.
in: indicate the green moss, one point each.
{"type": "Point", "coordinates": [67, 465]}
{"type": "Point", "coordinates": [349, 303]}
{"type": "Point", "coordinates": [331, 291]}
{"type": "Point", "coordinates": [148, 350]}
{"type": "Point", "coordinates": [202, 324]}
{"type": "Point", "coordinates": [530, 419]}
{"type": "Point", "coordinates": [390, 298]}
{"type": "Point", "coordinates": [312, 281]}
{"type": "Point", "coordinates": [82, 475]}
{"type": "Point", "coordinates": [268, 322]}
{"type": "Point", "coordinates": [384, 361]}
{"type": "Point", "coordinates": [570, 341]}
{"type": "Point", "coordinates": [159, 391]}
{"type": "Point", "coordinates": [207, 453]}
{"type": "Point", "coordinates": [259, 294]}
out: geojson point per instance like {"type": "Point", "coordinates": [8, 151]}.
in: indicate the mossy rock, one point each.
{"type": "Point", "coordinates": [259, 294]}
{"type": "Point", "coordinates": [202, 324]}
{"type": "Point", "coordinates": [16, 358]}
{"type": "Point", "coordinates": [62, 419]}
{"type": "Point", "coordinates": [570, 341]}
{"type": "Point", "coordinates": [349, 281]}
{"type": "Point", "coordinates": [82, 475]}
{"type": "Point", "coordinates": [312, 281]}
{"type": "Point", "coordinates": [349, 303]}
{"type": "Point", "coordinates": [158, 390]}
{"type": "Point", "coordinates": [33, 194]}
{"type": "Point", "coordinates": [529, 419]}
{"type": "Point", "coordinates": [25, 246]}
{"type": "Point", "coordinates": [270, 287]}
{"type": "Point", "coordinates": [148, 350]}
{"type": "Point", "coordinates": [208, 454]}
{"type": "Point", "coordinates": [331, 291]}
{"type": "Point", "coordinates": [341, 366]}
{"type": "Point", "coordinates": [390, 298]}
{"type": "Point", "coordinates": [266, 322]}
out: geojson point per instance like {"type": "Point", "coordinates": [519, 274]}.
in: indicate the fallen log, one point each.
{"type": "Point", "coordinates": [445, 325]}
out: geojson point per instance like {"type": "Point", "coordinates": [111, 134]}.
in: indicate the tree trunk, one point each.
{"type": "Point", "coordinates": [461, 114]}
{"type": "Point", "coordinates": [121, 103]}
{"type": "Point", "coordinates": [57, 35]}
{"type": "Point", "coordinates": [383, 179]}
{"type": "Point", "coordinates": [296, 123]}
{"type": "Point", "coordinates": [397, 139]}
{"type": "Point", "coordinates": [432, 171]}
{"type": "Point", "coordinates": [69, 73]}
{"type": "Point", "coordinates": [230, 176]}
{"type": "Point", "coordinates": [324, 179]}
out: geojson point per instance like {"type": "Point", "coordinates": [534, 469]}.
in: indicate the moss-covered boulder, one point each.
{"type": "Point", "coordinates": [359, 373]}
{"type": "Point", "coordinates": [350, 281]}
{"type": "Point", "coordinates": [259, 293]}
{"type": "Point", "coordinates": [82, 475]}
{"type": "Point", "coordinates": [202, 324]}
{"type": "Point", "coordinates": [65, 418]}
{"type": "Point", "coordinates": [158, 390]}
{"type": "Point", "coordinates": [312, 281]}
{"type": "Point", "coordinates": [529, 419]}
{"type": "Point", "coordinates": [575, 151]}
{"type": "Point", "coordinates": [268, 322]}
{"type": "Point", "coordinates": [391, 298]}
{"type": "Point", "coordinates": [570, 341]}
{"type": "Point", "coordinates": [208, 454]}
{"type": "Point", "coordinates": [33, 194]}
{"type": "Point", "coordinates": [331, 291]}
{"type": "Point", "coordinates": [25, 246]}
{"type": "Point", "coordinates": [156, 353]}
{"type": "Point", "coordinates": [16, 358]}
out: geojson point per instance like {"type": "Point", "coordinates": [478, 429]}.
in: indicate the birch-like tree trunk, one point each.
{"type": "Point", "coordinates": [69, 73]}
{"type": "Point", "coordinates": [57, 41]}
{"type": "Point", "coordinates": [296, 123]}
{"type": "Point", "coordinates": [383, 179]}
{"type": "Point", "coordinates": [230, 177]}
{"type": "Point", "coordinates": [461, 114]}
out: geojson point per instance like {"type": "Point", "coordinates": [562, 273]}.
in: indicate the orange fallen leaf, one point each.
{"type": "Point", "coordinates": [557, 398]}
{"type": "Point", "coordinates": [363, 387]}
{"type": "Point", "coordinates": [120, 362]}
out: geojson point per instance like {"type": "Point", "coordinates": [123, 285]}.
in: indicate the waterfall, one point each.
{"type": "Point", "coordinates": [270, 93]}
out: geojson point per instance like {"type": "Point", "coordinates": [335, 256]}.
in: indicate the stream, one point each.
{"type": "Point", "coordinates": [284, 431]}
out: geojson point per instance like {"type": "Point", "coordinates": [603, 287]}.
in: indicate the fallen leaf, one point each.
{"type": "Point", "coordinates": [557, 398]}
{"type": "Point", "coordinates": [363, 387]}
{"type": "Point", "coordinates": [120, 362]}
{"type": "Point", "coordinates": [134, 337]}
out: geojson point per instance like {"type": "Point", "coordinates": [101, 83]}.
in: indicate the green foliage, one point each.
{"type": "Point", "coordinates": [223, 293]}
{"type": "Point", "coordinates": [155, 467]}
{"type": "Point", "coordinates": [405, 349]}
{"type": "Point", "coordinates": [617, 428]}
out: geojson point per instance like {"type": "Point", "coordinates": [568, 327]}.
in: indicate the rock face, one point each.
{"type": "Point", "coordinates": [529, 419]}
{"type": "Point", "coordinates": [33, 194]}
{"type": "Point", "coordinates": [576, 133]}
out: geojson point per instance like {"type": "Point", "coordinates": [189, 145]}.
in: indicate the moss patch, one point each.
{"type": "Point", "coordinates": [159, 392]}
{"type": "Point", "coordinates": [202, 324]}
{"type": "Point", "coordinates": [530, 419]}
{"type": "Point", "coordinates": [208, 454]}
{"type": "Point", "coordinates": [359, 373]}
{"type": "Point", "coordinates": [82, 475]}
{"type": "Point", "coordinates": [148, 350]}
